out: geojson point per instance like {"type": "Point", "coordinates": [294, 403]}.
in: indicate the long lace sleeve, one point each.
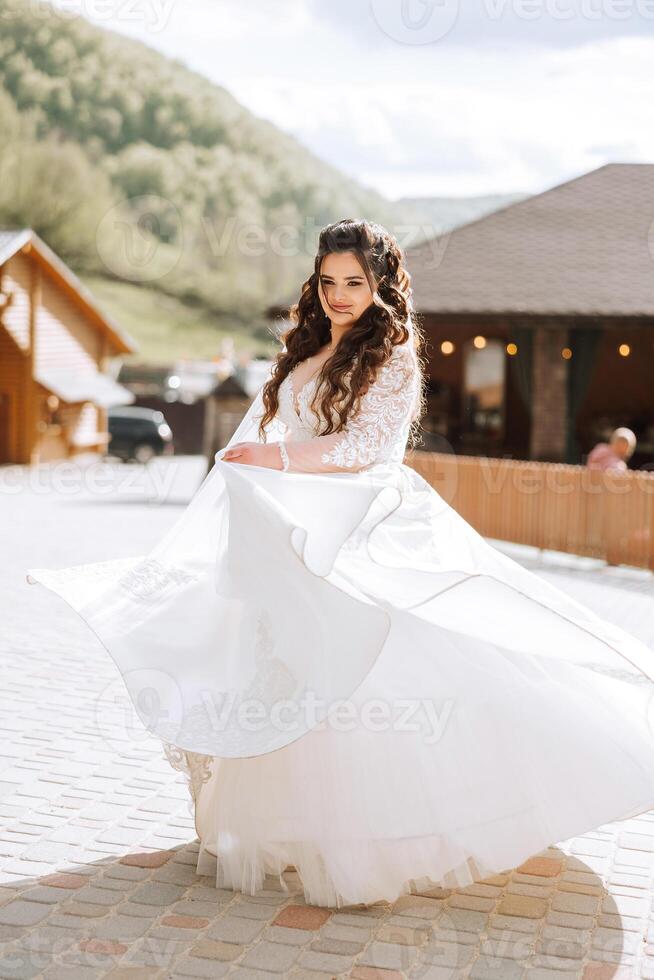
{"type": "Point", "coordinates": [376, 432]}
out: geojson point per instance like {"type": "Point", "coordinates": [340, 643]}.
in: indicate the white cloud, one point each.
{"type": "Point", "coordinates": [478, 112]}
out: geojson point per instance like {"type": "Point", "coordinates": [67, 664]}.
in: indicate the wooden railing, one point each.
{"type": "Point", "coordinates": [549, 505]}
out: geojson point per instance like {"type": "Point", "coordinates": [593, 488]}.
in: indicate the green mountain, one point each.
{"type": "Point", "coordinates": [168, 197]}
{"type": "Point", "coordinates": [132, 166]}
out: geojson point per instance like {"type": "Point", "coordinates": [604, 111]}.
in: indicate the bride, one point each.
{"type": "Point", "coordinates": [353, 680]}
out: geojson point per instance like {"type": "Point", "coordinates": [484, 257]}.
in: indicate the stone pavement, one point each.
{"type": "Point", "coordinates": [97, 841]}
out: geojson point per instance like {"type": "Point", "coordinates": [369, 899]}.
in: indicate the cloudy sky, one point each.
{"type": "Point", "coordinates": [425, 97]}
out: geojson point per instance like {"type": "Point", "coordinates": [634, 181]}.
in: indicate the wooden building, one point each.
{"type": "Point", "coordinates": [57, 349]}
{"type": "Point", "coordinates": [540, 321]}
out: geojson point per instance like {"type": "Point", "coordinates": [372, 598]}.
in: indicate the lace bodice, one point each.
{"type": "Point", "coordinates": [377, 432]}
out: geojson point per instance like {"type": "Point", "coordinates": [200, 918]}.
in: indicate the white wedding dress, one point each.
{"type": "Point", "coordinates": [354, 681]}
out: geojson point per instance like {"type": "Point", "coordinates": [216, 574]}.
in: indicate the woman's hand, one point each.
{"type": "Point", "coordinates": [255, 454]}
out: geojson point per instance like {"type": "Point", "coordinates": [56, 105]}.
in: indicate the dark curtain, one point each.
{"type": "Point", "coordinates": [521, 364]}
{"type": "Point", "coordinates": [584, 343]}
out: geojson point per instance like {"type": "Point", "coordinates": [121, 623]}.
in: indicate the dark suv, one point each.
{"type": "Point", "coordinates": [138, 434]}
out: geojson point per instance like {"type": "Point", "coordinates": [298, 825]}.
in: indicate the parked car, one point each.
{"type": "Point", "coordinates": [138, 434]}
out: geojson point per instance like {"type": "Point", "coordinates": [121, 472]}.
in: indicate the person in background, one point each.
{"type": "Point", "coordinates": [613, 455]}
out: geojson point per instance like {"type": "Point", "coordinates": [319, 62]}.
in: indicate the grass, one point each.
{"type": "Point", "coordinates": [167, 329]}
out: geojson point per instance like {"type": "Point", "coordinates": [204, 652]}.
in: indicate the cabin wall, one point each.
{"type": "Point", "coordinates": [17, 281]}
{"type": "Point", "coordinates": [65, 338]}
{"type": "Point", "coordinates": [13, 400]}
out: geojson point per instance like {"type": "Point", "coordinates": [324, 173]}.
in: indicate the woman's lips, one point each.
{"type": "Point", "coordinates": [342, 309]}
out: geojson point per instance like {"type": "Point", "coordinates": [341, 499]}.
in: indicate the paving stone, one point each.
{"type": "Point", "coordinates": [213, 949]}
{"type": "Point", "coordinates": [602, 971]}
{"type": "Point", "coordinates": [98, 896]}
{"type": "Point", "coordinates": [346, 919]}
{"type": "Point", "coordinates": [462, 920]}
{"type": "Point", "coordinates": [270, 956]}
{"type": "Point", "coordinates": [153, 859]}
{"type": "Point", "coordinates": [261, 912]}
{"type": "Point", "coordinates": [302, 917]}
{"type": "Point", "coordinates": [543, 891]}
{"type": "Point", "coordinates": [328, 962]}
{"type": "Point", "coordinates": [287, 935]}
{"type": "Point", "coordinates": [617, 942]}
{"type": "Point", "coordinates": [415, 905]}
{"type": "Point", "coordinates": [388, 956]}
{"type": "Point", "coordinates": [450, 955]}
{"type": "Point", "coordinates": [184, 921]}
{"type": "Point", "coordinates": [196, 967]}
{"type": "Point", "coordinates": [152, 951]}
{"type": "Point", "coordinates": [409, 922]}
{"type": "Point", "coordinates": [235, 929]}
{"type": "Point", "coordinates": [65, 881]}
{"type": "Point", "coordinates": [21, 913]}
{"type": "Point", "coordinates": [206, 910]}
{"type": "Point", "coordinates": [120, 927]}
{"type": "Point", "coordinates": [573, 902]}
{"type": "Point", "coordinates": [20, 965]}
{"type": "Point", "coordinates": [337, 946]}
{"type": "Point", "coordinates": [538, 973]}
{"type": "Point", "coordinates": [451, 936]}
{"type": "Point", "coordinates": [562, 948]}
{"type": "Point", "coordinates": [176, 874]}
{"type": "Point", "coordinates": [570, 919]}
{"type": "Point", "coordinates": [133, 973]}
{"type": "Point", "coordinates": [542, 866]}
{"type": "Point", "coordinates": [302, 973]}
{"type": "Point", "coordinates": [85, 911]}
{"type": "Point", "coordinates": [494, 968]}
{"type": "Point", "coordinates": [156, 893]}
{"type": "Point", "coordinates": [141, 911]}
{"type": "Point", "coordinates": [370, 973]}
{"type": "Point", "coordinates": [105, 947]}
{"type": "Point", "coordinates": [506, 948]}
{"type": "Point", "coordinates": [348, 934]}
{"type": "Point", "coordinates": [247, 973]}
{"type": "Point", "coordinates": [472, 902]}
{"type": "Point", "coordinates": [63, 972]}
{"type": "Point", "coordinates": [43, 894]}
{"type": "Point", "coordinates": [209, 893]}
{"type": "Point", "coordinates": [405, 935]}
{"type": "Point", "coordinates": [524, 907]}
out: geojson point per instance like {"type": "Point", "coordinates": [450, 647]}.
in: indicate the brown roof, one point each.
{"type": "Point", "coordinates": [13, 240]}
{"type": "Point", "coordinates": [582, 248]}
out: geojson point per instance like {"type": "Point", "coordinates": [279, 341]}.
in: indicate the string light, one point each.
{"type": "Point", "coordinates": [624, 350]}
{"type": "Point", "coordinates": [566, 353]}
{"type": "Point", "coordinates": [512, 349]}
{"type": "Point", "coordinates": [479, 342]}
{"type": "Point", "coordinates": [447, 347]}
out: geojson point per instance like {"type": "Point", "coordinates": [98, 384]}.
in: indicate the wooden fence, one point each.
{"type": "Point", "coordinates": [549, 505]}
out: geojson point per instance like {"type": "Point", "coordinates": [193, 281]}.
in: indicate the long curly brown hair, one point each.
{"type": "Point", "coordinates": [365, 346]}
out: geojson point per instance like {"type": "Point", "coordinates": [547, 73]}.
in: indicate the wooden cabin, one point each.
{"type": "Point", "coordinates": [57, 354]}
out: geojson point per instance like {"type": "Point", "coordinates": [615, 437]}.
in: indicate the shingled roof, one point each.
{"type": "Point", "coordinates": [582, 248]}
{"type": "Point", "coordinates": [13, 240]}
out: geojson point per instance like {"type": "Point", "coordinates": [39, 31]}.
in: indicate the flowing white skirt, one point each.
{"type": "Point", "coordinates": [356, 683]}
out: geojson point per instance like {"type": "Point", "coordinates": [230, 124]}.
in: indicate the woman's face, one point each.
{"type": "Point", "coordinates": [343, 288]}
